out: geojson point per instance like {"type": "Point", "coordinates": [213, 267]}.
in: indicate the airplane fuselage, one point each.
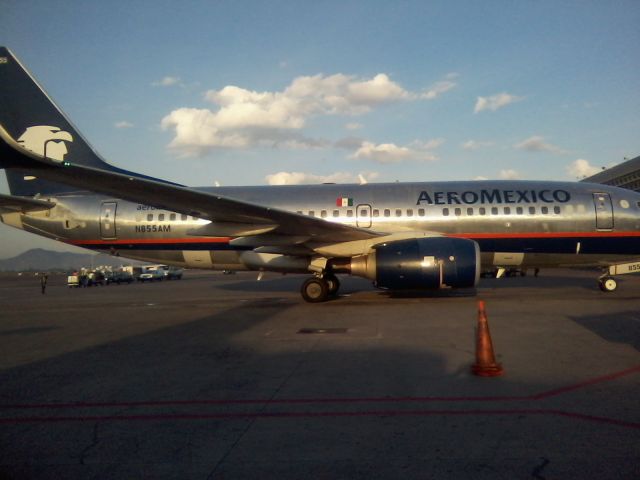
{"type": "Point", "coordinates": [516, 223]}
{"type": "Point", "coordinates": [402, 236]}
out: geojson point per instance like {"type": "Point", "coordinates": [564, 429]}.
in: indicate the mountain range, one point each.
{"type": "Point", "coordinates": [39, 259]}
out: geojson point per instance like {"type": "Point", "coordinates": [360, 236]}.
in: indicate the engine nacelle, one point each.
{"type": "Point", "coordinates": [421, 264]}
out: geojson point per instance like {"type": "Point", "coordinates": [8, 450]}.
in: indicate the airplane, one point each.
{"type": "Point", "coordinates": [402, 236]}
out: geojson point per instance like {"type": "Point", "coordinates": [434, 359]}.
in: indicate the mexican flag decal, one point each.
{"type": "Point", "coordinates": [344, 202]}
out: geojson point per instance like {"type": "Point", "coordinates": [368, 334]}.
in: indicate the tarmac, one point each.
{"type": "Point", "coordinates": [224, 377]}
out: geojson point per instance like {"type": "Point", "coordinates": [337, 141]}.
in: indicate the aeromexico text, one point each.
{"type": "Point", "coordinates": [493, 196]}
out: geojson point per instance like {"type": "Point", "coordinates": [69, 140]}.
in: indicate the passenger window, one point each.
{"type": "Point", "coordinates": [482, 211]}
{"type": "Point", "coordinates": [469, 211]}
{"type": "Point", "coordinates": [532, 210]}
{"type": "Point", "coordinates": [494, 210]}
{"type": "Point", "coordinates": [556, 210]}
{"type": "Point", "coordinates": [398, 212]}
{"type": "Point", "coordinates": [458, 212]}
{"type": "Point", "coordinates": [409, 212]}
{"type": "Point", "coordinates": [150, 217]}
{"type": "Point", "coordinates": [336, 213]}
{"type": "Point", "coordinates": [161, 217]}
{"type": "Point", "coordinates": [387, 212]}
{"type": "Point", "coordinates": [184, 217]}
{"type": "Point", "coordinates": [545, 210]}
{"type": "Point", "coordinates": [445, 212]}
{"type": "Point", "coordinates": [299, 212]}
{"type": "Point", "coordinates": [364, 212]}
{"type": "Point", "coordinates": [172, 217]}
{"type": "Point", "coordinates": [349, 213]}
{"type": "Point", "coordinates": [421, 212]}
{"type": "Point", "coordinates": [507, 210]}
{"type": "Point", "coordinates": [312, 213]}
{"type": "Point", "coordinates": [323, 214]}
{"type": "Point", "coordinates": [519, 210]}
{"type": "Point", "coordinates": [376, 213]}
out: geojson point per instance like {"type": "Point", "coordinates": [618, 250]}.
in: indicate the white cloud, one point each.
{"type": "Point", "coordinates": [440, 87]}
{"type": "Point", "coordinates": [353, 126]}
{"type": "Point", "coordinates": [298, 178]}
{"type": "Point", "coordinates": [245, 118]}
{"type": "Point", "coordinates": [480, 177]}
{"type": "Point", "coordinates": [428, 145]}
{"type": "Point", "coordinates": [476, 145]}
{"type": "Point", "coordinates": [537, 144]}
{"type": "Point", "coordinates": [494, 102]}
{"type": "Point", "coordinates": [167, 82]}
{"type": "Point", "coordinates": [581, 168]}
{"type": "Point", "coordinates": [123, 124]}
{"type": "Point", "coordinates": [391, 153]}
{"type": "Point", "coordinates": [509, 174]}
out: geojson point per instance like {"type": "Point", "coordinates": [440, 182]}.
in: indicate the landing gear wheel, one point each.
{"type": "Point", "coordinates": [315, 290]}
{"type": "Point", "coordinates": [608, 284]}
{"type": "Point", "coordinates": [333, 284]}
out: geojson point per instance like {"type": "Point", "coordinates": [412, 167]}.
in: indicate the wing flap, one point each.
{"type": "Point", "coordinates": [228, 229]}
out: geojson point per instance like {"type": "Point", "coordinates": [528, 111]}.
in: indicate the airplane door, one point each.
{"type": "Point", "coordinates": [604, 211]}
{"type": "Point", "coordinates": [363, 215]}
{"type": "Point", "coordinates": [108, 220]}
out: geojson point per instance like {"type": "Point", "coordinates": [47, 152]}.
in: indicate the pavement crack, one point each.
{"type": "Point", "coordinates": [94, 443]}
{"type": "Point", "coordinates": [262, 408]}
{"type": "Point", "coordinates": [538, 470]}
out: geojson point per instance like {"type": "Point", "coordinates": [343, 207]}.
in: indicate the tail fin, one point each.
{"type": "Point", "coordinates": [30, 116]}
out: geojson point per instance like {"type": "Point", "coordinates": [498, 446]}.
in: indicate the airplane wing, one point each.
{"type": "Point", "coordinates": [229, 217]}
{"type": "Point", "coordinates": [10, 203]}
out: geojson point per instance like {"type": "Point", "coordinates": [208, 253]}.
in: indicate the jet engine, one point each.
{"type": "Point", "coordinates": [420, 264]}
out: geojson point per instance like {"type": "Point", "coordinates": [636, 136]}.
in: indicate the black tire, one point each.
{"type": "Point", "coordinates": [333, 284]}
{"type": "Point", "coordinates": [315, 290]}
{"type": "Point", "coordinates": [608, 284]}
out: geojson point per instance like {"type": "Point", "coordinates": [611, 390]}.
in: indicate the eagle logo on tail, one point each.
{"type": "Point", "coordinates": [47, 141]}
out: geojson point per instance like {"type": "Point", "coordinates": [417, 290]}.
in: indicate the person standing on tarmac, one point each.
{"type": "Point", "coordinates": [43, 282]}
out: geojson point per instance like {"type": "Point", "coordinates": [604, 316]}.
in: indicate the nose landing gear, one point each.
{"type": "Point", "coordinates": [607, 284]}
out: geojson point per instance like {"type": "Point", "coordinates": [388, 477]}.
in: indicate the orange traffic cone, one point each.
{"type": "Point", "coordinates": [485, 365]}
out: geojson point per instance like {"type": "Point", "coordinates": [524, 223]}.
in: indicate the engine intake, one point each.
{"type": "Point", "coordinates": [421, 264]}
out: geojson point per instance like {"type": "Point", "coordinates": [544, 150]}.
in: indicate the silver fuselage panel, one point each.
{"type": "Point", "coordinates": [515, 222]}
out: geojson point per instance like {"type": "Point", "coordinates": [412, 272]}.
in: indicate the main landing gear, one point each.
{"type": "Point", "coordinates": [320, 288]}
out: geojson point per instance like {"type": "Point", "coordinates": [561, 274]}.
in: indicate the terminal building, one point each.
{"type": "Point", "coordinates": [625, 175]}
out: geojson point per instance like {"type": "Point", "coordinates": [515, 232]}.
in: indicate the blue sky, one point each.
{"type": "Point", "coordinates": [250, 93]}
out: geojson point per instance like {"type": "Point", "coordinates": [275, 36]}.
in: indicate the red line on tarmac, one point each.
{"type": "Point", "coordinates": [371, 413]}
{"type": "Point", "coordinates": [284, 401]}
{"type": "Point", "coordinates": [586, 383]}
{"type": "Point", "coordinates": [281, 401]}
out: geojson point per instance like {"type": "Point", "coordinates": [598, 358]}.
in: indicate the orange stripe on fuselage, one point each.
{"type": "Point", "coordinates": [545, 235]}
{"type": "Point", "coordinates": [147, 241]}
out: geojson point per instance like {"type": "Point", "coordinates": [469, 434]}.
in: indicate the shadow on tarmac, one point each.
{"type": "Point", "coordinates": [249, 353]}
{"type": "Point", "coordinates": [618, 327]}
